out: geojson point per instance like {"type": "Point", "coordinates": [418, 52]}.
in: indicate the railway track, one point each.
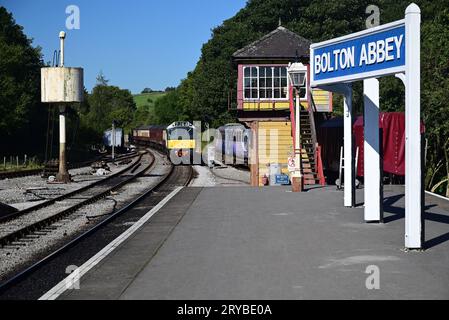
{"type": "Point", "coordinates": [35, 172]}
{"type": "Point", "coordinates": [177, 176]}
{"type": "Point", "coordinates": [71, 194]}
{"type": "Point", "coordinates": [32, 221]}
{"type": "Point", "coordinates": [18, 174]}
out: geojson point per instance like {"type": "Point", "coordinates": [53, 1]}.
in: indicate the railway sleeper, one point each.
{"type": "Point", "coordinates": [11, 247]}
{"type": "Point", "coordinates": [18, 244]}
{"type": "Point", "coordinates": [25, 240]}
{"type": "Point", "coordinates": [32, 236]}
{"type": "Point", "coordinates": [49, 228]}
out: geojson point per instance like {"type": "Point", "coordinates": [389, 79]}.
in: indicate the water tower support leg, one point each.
{"type": "Point", "coordinates": [63, 175]}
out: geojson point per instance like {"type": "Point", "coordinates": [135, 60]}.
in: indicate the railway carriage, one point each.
{"type": "Point", "coordinates": [233, 144]}
{"type": "Point", "coordinates": [150, 135]}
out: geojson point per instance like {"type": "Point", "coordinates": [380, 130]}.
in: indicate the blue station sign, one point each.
{"type": "Point", "coordinates": [370, 53]}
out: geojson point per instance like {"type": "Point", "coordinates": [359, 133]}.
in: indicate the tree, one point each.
{"type": "Point", "coordinates": [435, 95]}
{"type": "Point", "coordinates": [147, 90]}
{"type": "Point", "coordinates": [20, 107]}
{"type": "Point", "coordinates": [101, 79]}
{"type": "Point", "coordinates": [107, 103]}
{"type": "Point", "coordinates": [167, 109]}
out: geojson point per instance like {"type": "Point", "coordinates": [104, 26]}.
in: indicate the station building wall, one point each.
{"type": "Point", "coordinates": [273, 146]}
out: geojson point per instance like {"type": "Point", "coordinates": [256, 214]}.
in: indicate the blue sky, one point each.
{"type": "Point", "coordinates": [136, 43]}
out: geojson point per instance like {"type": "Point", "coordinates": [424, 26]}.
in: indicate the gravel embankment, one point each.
{"type": "Point", "coordinates": [16, 257]}
{"type": "Point", "coordinates": [27, 191]}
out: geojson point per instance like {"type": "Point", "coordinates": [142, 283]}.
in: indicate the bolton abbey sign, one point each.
{"type": "Point", "coordinates": [366, 54]}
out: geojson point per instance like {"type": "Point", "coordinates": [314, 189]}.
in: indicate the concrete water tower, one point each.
{"type": "Point", "coordinates": [62, 86]}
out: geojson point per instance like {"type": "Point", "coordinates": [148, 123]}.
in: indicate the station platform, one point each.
{"type": "Point", "coordinates": [269, 243]}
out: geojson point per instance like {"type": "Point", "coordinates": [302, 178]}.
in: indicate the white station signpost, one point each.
{"type": "Point", "coordinates": [390, 49]}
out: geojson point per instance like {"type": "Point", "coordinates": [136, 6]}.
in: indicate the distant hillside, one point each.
{"type": "Point", "coordinates": [145, 108]}
{"type": "Point", "coordinates": [147, 99]}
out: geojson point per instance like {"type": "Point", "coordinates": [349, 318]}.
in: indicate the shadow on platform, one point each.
{"type": "Point", "coordinates": [398, 213]}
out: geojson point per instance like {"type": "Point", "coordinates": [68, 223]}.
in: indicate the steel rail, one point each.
{"type": "Point", "coordinates": [47, 203]}
{"type": "Point", "coordinates": [35, 172]}
{"type": "Point", "coordinates": [24, 273]}
{"type": "Point", "coordinates": [20, 233]}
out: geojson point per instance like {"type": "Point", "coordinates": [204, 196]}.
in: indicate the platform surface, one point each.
{"type": "Point", "coordinates": [251, 243]}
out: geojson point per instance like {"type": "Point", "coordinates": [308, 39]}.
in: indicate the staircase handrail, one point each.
{"type": "Point", "coordinates": [312, 108]}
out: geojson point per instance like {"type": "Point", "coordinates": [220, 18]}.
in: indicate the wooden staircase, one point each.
{"type": "Point", "coordinates": [308, 150]}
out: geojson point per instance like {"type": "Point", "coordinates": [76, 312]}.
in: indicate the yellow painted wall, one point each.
{"type": "Point", "coordinates": [322, 99]}
{"type": "Point", "coordinates": [275, 145]}
{"type": "Point", "coordinates": [265, 106]}
{"type": "Point", "coordinates": [255, 106]}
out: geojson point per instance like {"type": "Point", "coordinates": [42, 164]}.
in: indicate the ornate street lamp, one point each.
{"type": "Point", "coordinates": [298, 74]}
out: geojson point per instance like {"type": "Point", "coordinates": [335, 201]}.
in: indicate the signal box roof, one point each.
{"type": "Point", "coordinates": [280, 44]}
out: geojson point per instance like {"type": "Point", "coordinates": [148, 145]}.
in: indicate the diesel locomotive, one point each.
{"type": "Point", "coordinates": [181, 144]}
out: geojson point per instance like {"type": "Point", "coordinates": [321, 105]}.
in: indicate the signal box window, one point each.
{"type": "Point", "coordinates": [265, 83]}
{"type": "Point", "coordinates": [251, 83]}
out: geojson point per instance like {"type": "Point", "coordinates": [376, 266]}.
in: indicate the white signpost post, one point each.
{"type": "Point", "coordinates": [390, 49]}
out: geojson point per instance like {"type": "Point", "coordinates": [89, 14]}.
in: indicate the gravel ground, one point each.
{"type": "Point", "coordinates": [25, 191]}
{"type": "Point", "coordinates": [203, 177]}
{"type": "Point", "coordinates": [41, 214]}
{"type": "Point", "coordinates": [18, 255]}
{"type": "Point", "coordinates": [219, 176]}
